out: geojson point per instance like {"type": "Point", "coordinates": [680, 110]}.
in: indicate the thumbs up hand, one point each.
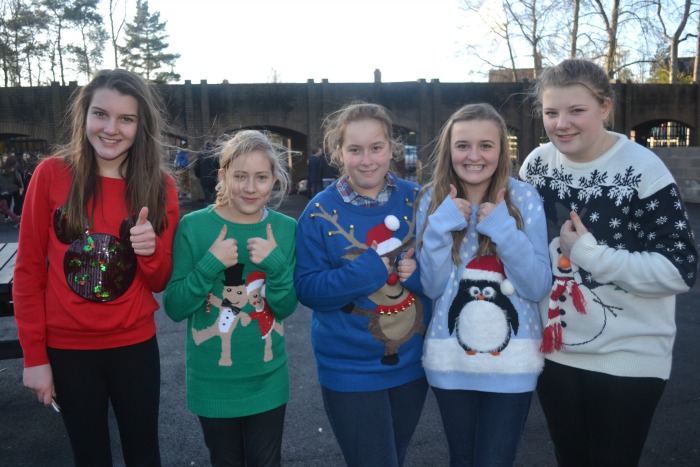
{"type": "Point", "coordinates": [260, 248]}
{"type": "Point", "coordinates": [464, 206]}
{"type": "Point", "coordinates": [486, 208]}
{"type": "Point", "coordinates": [407, 265]}
{"type": "Point", "coordinates": [225, 249]}
{"type": "Point", "coordinates": [571, 231]}
{"type": "Point", "coordinates": [142, 235]}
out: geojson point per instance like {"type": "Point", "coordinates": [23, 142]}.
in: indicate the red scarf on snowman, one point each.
{"type": "Point", "coordinates": [552, 335]}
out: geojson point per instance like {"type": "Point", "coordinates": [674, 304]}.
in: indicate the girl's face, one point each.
{"type": "Point", "coordinates": [366, 154]}
{"type": "Point", "coordinates": [249, 181]}
{"type": "Point", "coordinates": [575, 122]}
{"type": "Point", "coordinates": [111, 125]}
{"type": "Point", "coordinates": [475, 147]}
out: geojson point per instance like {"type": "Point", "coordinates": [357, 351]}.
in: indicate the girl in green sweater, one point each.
{"type": "Point", "coordinates": [233, 265]}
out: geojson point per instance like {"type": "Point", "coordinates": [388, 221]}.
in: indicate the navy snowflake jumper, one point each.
{"type": "Point", "coordinates": [615, 302]}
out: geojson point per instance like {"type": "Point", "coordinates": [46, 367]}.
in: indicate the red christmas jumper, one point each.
{"type": "Point", "coordinates": [49, 313]}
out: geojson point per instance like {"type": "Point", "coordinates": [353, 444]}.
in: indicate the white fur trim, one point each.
{"type": "Point", "coordinates": [392, 222]}
{"type": "Point", "coordinates": [507, 287]}
{"type": "Point", "coordinates": [482, 274]}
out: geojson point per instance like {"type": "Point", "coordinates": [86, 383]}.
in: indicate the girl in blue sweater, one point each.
{"type": "Point", "coordinates": [355, 270]}
{"type": "Point", "coordinates": [482, 245]}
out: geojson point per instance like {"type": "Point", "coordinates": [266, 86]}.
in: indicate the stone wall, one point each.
{"type": "Point", "coordinates": [684, 164]}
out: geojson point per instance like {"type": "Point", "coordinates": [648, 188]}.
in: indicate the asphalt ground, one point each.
{"type": "Point", "coordinates": [32, 435]}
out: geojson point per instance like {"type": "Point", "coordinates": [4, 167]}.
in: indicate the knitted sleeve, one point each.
{"type": "Point", "coordinates": [524, 253]}
{"type": "Point", "coordinates": [279, 269]}
{"type": "Point", "coordinates": [667, 262]}
{"type": "Point", "coordinates": [194, 271]}
{"type": "Point", "coordinates": [434, 246]}
{"type": "Point", "coordinates": [155, 270]}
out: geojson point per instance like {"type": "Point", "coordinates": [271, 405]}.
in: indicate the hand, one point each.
{"type": "Point", "coordinates": [259, 248]}
{"type": "Point", "coordinates": [225, 249]}
{"type": "Point", "coordinates": [464, 206]}
{"type": "Point", "coordinates": [407, 265]}
{"type": "Point", "coordinates": [571, 231]}
{"type": "Point", "coordinates": [385, 260]}
{"type": "Point", "coordinates": [486, 208]}
{"type": "Point", "coordinates": [143, 237]}
{"type": "Point", "coordinates": [39, 380]}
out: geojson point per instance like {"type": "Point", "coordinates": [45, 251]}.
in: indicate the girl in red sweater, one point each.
{"type": "Point", "coordinates": [94, 245]}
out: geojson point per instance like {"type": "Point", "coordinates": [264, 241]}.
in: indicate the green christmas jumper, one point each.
{"type": "Point", "coordinates": [236, 357]}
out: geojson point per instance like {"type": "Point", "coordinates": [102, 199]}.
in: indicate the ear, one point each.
{"type": "Point", "coordinates": [222, 172]}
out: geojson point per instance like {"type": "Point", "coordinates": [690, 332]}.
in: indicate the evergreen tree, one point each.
{"type": "Point", "coordinates": [144, 52]}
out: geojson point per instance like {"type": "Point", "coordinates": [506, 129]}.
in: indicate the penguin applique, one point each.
{"type": "Point", "coordinates": [481, 315]}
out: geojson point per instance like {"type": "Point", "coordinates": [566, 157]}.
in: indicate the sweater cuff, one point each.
{"type": "Point", "coordinates": [585, 251]}
{"type": "Point", "coordinates": [210, 265]}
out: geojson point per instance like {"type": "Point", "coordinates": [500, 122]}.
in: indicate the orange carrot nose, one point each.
{"type": "Point", "coordinates": [564, 262]}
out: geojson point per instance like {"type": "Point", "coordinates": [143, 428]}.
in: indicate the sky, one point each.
{"type": "Point", "coordinates": [343, 41]}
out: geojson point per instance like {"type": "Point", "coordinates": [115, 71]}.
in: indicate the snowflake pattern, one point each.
{"type": "Point", "coordinates": [629, 222]}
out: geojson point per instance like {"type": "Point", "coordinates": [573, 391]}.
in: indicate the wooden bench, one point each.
{"type": "Point", "coordinates": [9, 348]}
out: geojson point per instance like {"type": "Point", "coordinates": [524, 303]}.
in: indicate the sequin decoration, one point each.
{"type": "Point", "coordinates": [98, 267]}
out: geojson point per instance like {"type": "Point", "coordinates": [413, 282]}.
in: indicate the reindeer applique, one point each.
{"type": "Point", "coordinates": [398, 314]}
{"type": "Point", "coordinates": [234, 297]}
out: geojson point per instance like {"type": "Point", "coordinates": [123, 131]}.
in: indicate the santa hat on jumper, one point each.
{"type": "Point", "coordinates": [256, 280]}
{"type": "Point", "coordinates": [489, 268]}
{"type": "Point", "coordinates": [382, 234]}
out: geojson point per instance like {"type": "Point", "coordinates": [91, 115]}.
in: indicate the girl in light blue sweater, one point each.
{"type": "Point", "coordinates": [482, 246]}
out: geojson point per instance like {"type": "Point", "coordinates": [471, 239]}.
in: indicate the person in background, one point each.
{"type": "Point", "coordinates": [182, 167]}
{"type": "Point", "coordinates": [482, 245]}
{"type": "Point", "coordinates": [233, 282]}
{"type": "Point", "coordinates": [621, 249]}
{"type": "Point", "coordinates": [357, 272]}
{"type": "Point", "coordinates": [11, 186]}
{"type": "Point", "coordinates": [94, 246]}
{"type": "Point", "coordinates": [314, 173]}
{"type": "Point", "coordinates": [206, 168]}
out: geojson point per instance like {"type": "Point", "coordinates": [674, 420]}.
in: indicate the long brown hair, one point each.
{"type": "Point", "coordinates": [142, 168]}
{"type": "Point", "coordinates": [443, 173]}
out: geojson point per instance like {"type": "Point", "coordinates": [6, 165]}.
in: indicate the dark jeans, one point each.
{"type": "Point", "coordinates": [314, 188]}
{"type": "Point", "coordinates": [252, 441]}
{"type": "Point", "coordinates": [482, 428]}
{"type": "Point", "coordinates": [86, 381]}
{"type": "Point", "coordinates": [596, 419]}
{"type": "Point", "coordinates": [374, 428]}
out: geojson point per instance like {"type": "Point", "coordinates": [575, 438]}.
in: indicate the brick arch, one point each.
{"type": "Point", "coordinates": [25, 129]}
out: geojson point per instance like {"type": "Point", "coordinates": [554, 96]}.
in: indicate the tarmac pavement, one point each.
{"type": "Point", "coordinates": [32, 435]}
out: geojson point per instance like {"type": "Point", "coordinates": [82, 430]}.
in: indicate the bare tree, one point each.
{"type": "Point", "coordinates": [696, 68]}
{"type": "Point", "coordinates": [83, 16]}
{"type": "Point", "coordinates": [674, 39]}
{"type": "Point", "coordinates": [576, 4]}
{"type": "Point", "coordinates": [114, 35]}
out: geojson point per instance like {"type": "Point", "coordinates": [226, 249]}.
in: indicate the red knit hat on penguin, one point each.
{"type": "Point", "coordinates": [489, 268]}
{"type": "Point", "coordinates": [382, 234]}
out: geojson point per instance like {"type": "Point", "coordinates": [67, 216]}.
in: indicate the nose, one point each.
{"type": "Point", "coordinates": [562, 122]}
{"type": "Point", "coordinates": [110, 126]}
{"type": "Point", "coordinates": [249, 184]}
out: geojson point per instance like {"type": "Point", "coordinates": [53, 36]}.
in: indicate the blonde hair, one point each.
{"type": "Point", "coordinates": [444, 175]}
{"type": "Point", "coordinates": [336, 123]}
{"type": "Point", "coordinates": [243, 143]}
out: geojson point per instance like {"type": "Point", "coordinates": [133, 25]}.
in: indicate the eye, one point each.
{"type": "Point", "coordinates": [486, 146]}
{"type": "Point", "coordinates": [239, 177]}
{"type": "Point", "coordinates": [461, 147]}
{"type": "Point", "coordinates": [474, 291]}
{"type": "Point", "coordinates": [263, 178]}
{"type": "Point", "coordinates": [228, 289]}
{"type": "Point", "coordinates": [239, 292]}
{"type": "Point", "coordinates": [98, 113]}
{"type": "Point", "coordinates": [489, 292]}
{"type": "Point", "coordinates": [128, 119]}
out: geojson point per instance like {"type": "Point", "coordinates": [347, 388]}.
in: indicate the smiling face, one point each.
{"type": "Point", "coordinates": [366, 155]}
{"type": "Point", "coordinates": [575, 122]}
{"type": "Point", "coordinates": [249, 181]}
{"type": "Point", "coordinates": [475, 148]}
{"type": "Point", "coordinates": [110, 125]}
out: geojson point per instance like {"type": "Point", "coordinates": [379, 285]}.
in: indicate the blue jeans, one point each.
{"type": "Point", "coordinates": [482, 428]}
{"type": "Point", "coordinates": [374, 428]}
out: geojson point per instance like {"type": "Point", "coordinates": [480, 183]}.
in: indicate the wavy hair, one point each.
{"type": "Point", "coordinates": [335, 124]}
{"type": "Point", "coordinates": [443, 173]}
{"type": "Point", "coordinates": [243, 143]}
{"type": "Point", "coordinates": [142, 169]}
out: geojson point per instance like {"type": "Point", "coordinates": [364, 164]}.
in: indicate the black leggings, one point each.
{"type": "Point", "coordinates": [252, 441]}
{"type": "Point", "coordinates": [596, 419]}
{"type": "Point", "coordinates": [86, 381]}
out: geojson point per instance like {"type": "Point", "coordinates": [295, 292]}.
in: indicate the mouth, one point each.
{"type": "Point", "coordinates": [566, 137]}
{"type": "Point", "coordinates": [108, 140]}
{"type": "Point", "coordinates": [474, 168]}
